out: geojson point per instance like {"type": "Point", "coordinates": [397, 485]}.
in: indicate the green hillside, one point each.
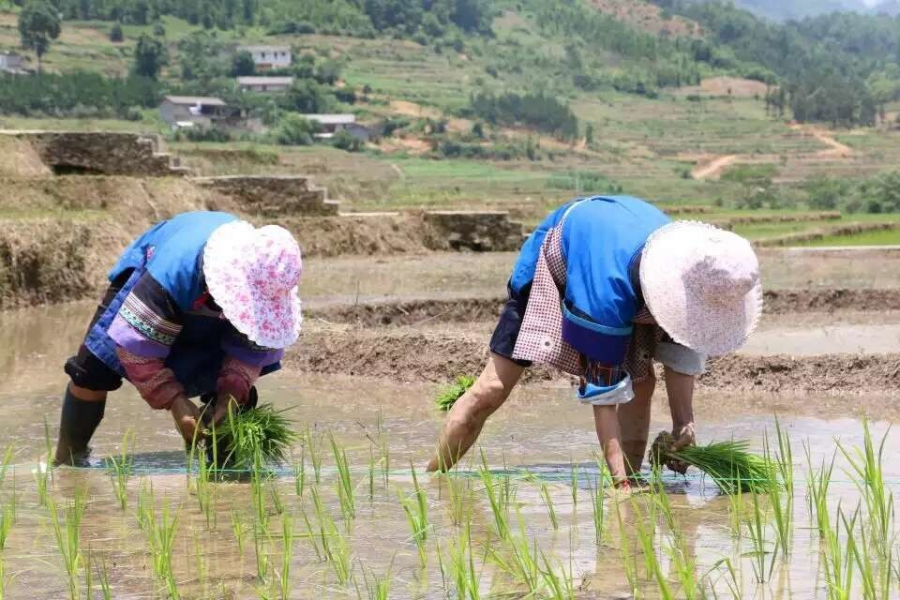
{"type": "Point", "coordinates": [498, 103]}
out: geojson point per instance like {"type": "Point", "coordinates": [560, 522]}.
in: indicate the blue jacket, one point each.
{"type": "Point", "coordinates": [601, 238]}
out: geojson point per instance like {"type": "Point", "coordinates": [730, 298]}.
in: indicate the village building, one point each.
{"type": "Point", "coordinates": [267, 58]}
{"type": "Point", "coordinates": [265, 85]}
{"type": "Point", "coordinates": [13, 63]}
{"type": "Point", "coordinates": [181, 112]}
{"type": "Point", "coordinates": [331, 124]}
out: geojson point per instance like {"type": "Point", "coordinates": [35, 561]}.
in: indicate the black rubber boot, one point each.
{"type": "Point", "coordinates": [77, 425]}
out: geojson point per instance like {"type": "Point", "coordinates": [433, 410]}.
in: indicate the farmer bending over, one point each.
{"type": "Point", "coordinates": [601, 288]}
{"type": "Point", "coordinates": [200, 305]}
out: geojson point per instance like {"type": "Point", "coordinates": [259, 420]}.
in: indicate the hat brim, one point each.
{"type": "Point", "coordinates": [711, 329]}
{"type": "Point", "coordinates": [227, 269]}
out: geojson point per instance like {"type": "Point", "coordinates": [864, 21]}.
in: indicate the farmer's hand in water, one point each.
{"type": "Point", "coordinates": [682, 437]}
{"type": "Point", "coordinates": [187, 417]}
{"type": "Point", "coordinates": [222, 404]}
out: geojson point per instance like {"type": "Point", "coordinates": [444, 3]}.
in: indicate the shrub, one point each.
{"type": "Point", "coordinates": [294, 130]}
{"type": "Point", "coordinates": [116, 35]}
{"type": "Point", "coordinates": [205, 134]}
{"type": "Point", "coordinates": [344, 140]}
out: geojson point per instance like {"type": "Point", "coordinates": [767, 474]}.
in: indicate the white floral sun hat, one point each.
{"type": "Point", "coordinates": [702, 286]}
{"type": "Point", "coordinates": [252, 274]}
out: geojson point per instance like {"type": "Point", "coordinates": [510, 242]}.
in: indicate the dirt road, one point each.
{"type": "Point", "coordinates": [715, 168]}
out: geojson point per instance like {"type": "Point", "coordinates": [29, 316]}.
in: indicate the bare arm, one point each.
{"type": "Point", "coordinates": [680, 388]}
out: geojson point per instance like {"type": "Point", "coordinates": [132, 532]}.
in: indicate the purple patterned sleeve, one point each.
{"type": "Point", "coordinates": [127, 337]}
{"type": "Point", "coordinates": [148, 321]}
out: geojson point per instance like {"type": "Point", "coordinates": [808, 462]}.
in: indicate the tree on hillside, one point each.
{"type": "Point", "coordinates": [38, 26]}
{"type": "Point", "coordinates": [149, 57]}
{"type": "Point", "coordinates": [242, 64]}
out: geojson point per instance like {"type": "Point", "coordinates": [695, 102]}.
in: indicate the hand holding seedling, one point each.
{"type": "Point", "coordinates": [186, 416]}
{"type": "Point", "coordinates": [223, 404]}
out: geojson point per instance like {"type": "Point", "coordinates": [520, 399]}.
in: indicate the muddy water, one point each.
{"type": "Point", "coordinates": [542, 431]}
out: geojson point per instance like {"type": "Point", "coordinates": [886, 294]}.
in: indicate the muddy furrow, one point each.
{"type": "Point", "coordinates": [467, 310]}
{"type": "Point", "coordinates": [409, 357]}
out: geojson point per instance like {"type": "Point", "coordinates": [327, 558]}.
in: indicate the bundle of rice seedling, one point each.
{"type": "Point", "coordinates": [728, 464]}
{"type": "Point", "coordinates": [448, 395]}
{"type": "Point", "coordinates": [250, 437]}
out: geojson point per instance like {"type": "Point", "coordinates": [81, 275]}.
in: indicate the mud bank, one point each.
{"type": "Point", "coordinates": [441, 310]}
{"type": "Point", "coordinates": [425, 356]}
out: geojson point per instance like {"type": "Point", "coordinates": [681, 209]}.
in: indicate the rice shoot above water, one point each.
{"type": "Point", "coordinates": [246, 438]}
{"type": "Point", "coordinates": [728, 464]}
{"type": "Point", "coordinates": [449, 394]}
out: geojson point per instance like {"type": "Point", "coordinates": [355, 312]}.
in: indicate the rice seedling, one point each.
{"type": "Point", "coordinates": [275, 497]}
{"type": "Point", "coordinates": [522, 563]}
{"type": "Point", "coordinates": [497, 499]}
{"type": "Point", "coordinates": [4, 466]}
{"type": "Point", "coordinates": [205, 490]}
{"type": "Point", "coordinates": [245, 433]}
{"type": "Point", "coordinates": [728, 464]}
{"type": "Point", "coordinates": [103, 576]}
{"type": "Point", "coordinates": [120, 469]}
{"type": "Point", "coordinates": [43, 472]}
{"type": "Point", "coordinates": [300, 473]}
{"type": "Point", "coordinates": [4, 579]}
{"type": "Point", "coordinates": [257, 493]}
{"type": "Point", "coordinates": [868, 475]}
{"type": "Point", "coordinates": [548, 503]}
{"type": "Point", "coordinates": [817, 484]}
{"type": "Point", "coordinates": [260, 535]}
{"type": "Point", "coordinates": [68, 538]}
{"type": "Point", "coordinates": [557, 586]}
{"type": "Point", "coordinates": [629, 558]}
{"type": "Point", "coordinates": [757, 528]}
{"type": "Point", "coordinates": [344, 482]}
{"type": "Point", "coordinates": [371, 472]}
{"type": "Point", "coordinates": [875, 576]}
{"type": "Point", "coordinates": [449, 394]}
{"type": "Point", "coordinates": [598, 500]}
{"type": "Point", "coordinates": [416, 510]}
{"type": "Point", "coordinates": [161, 536]}
{"type": "Point", "coordinates": [465, 578]}
{"type": "Point", "coordinates": [201, 572]}
{"type": "Point", "coordinates": [7, 517]}
{"type": "Point", "coordinates": [681, 560]}
{"type": "Point", "coordinates": [645, 528]}
{"type": "Point", "coordinates": [315, 457]}
{"type": "Point", "coordinates": [335, 547]}
{"type": "Point", "coordinates": [736, 508]}
{"type": "Point", "coordinates": [573, 481]}
{"type": "Point", "coordinates": [239, 528]}
{"type": "Point", "coordinates": [311, 534]}
{"type": "Point", "coordinates": [781, 492]}
{"type": "Point", "coordinates": [287, 555]}
{"type": "Point", "coordinates": [838, 563]}
{"type": "Point", "coordinates": [377, 588]}
{"type": "Point", "coordinates": [730, 576]}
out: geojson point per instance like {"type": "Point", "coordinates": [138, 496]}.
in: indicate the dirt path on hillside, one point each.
{"type": "Point", "coordinates": [714, 168]}
{"type": "Point", "coordinates": [835, 148]}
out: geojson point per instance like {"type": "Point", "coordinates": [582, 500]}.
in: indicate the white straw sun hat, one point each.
{"type": "Point", "coordinates": [702, 286]}
{"type": "Point", "coordinates": [252, 274]}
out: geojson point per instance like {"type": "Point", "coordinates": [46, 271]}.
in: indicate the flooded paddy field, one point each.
{"type": "Point", "coordinates": [530, 517]}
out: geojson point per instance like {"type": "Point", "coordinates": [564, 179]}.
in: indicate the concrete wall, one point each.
{"type": "Point", "coordinates": [272, 196]}
{"type": "Point", "coordinates": [100, 153]}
